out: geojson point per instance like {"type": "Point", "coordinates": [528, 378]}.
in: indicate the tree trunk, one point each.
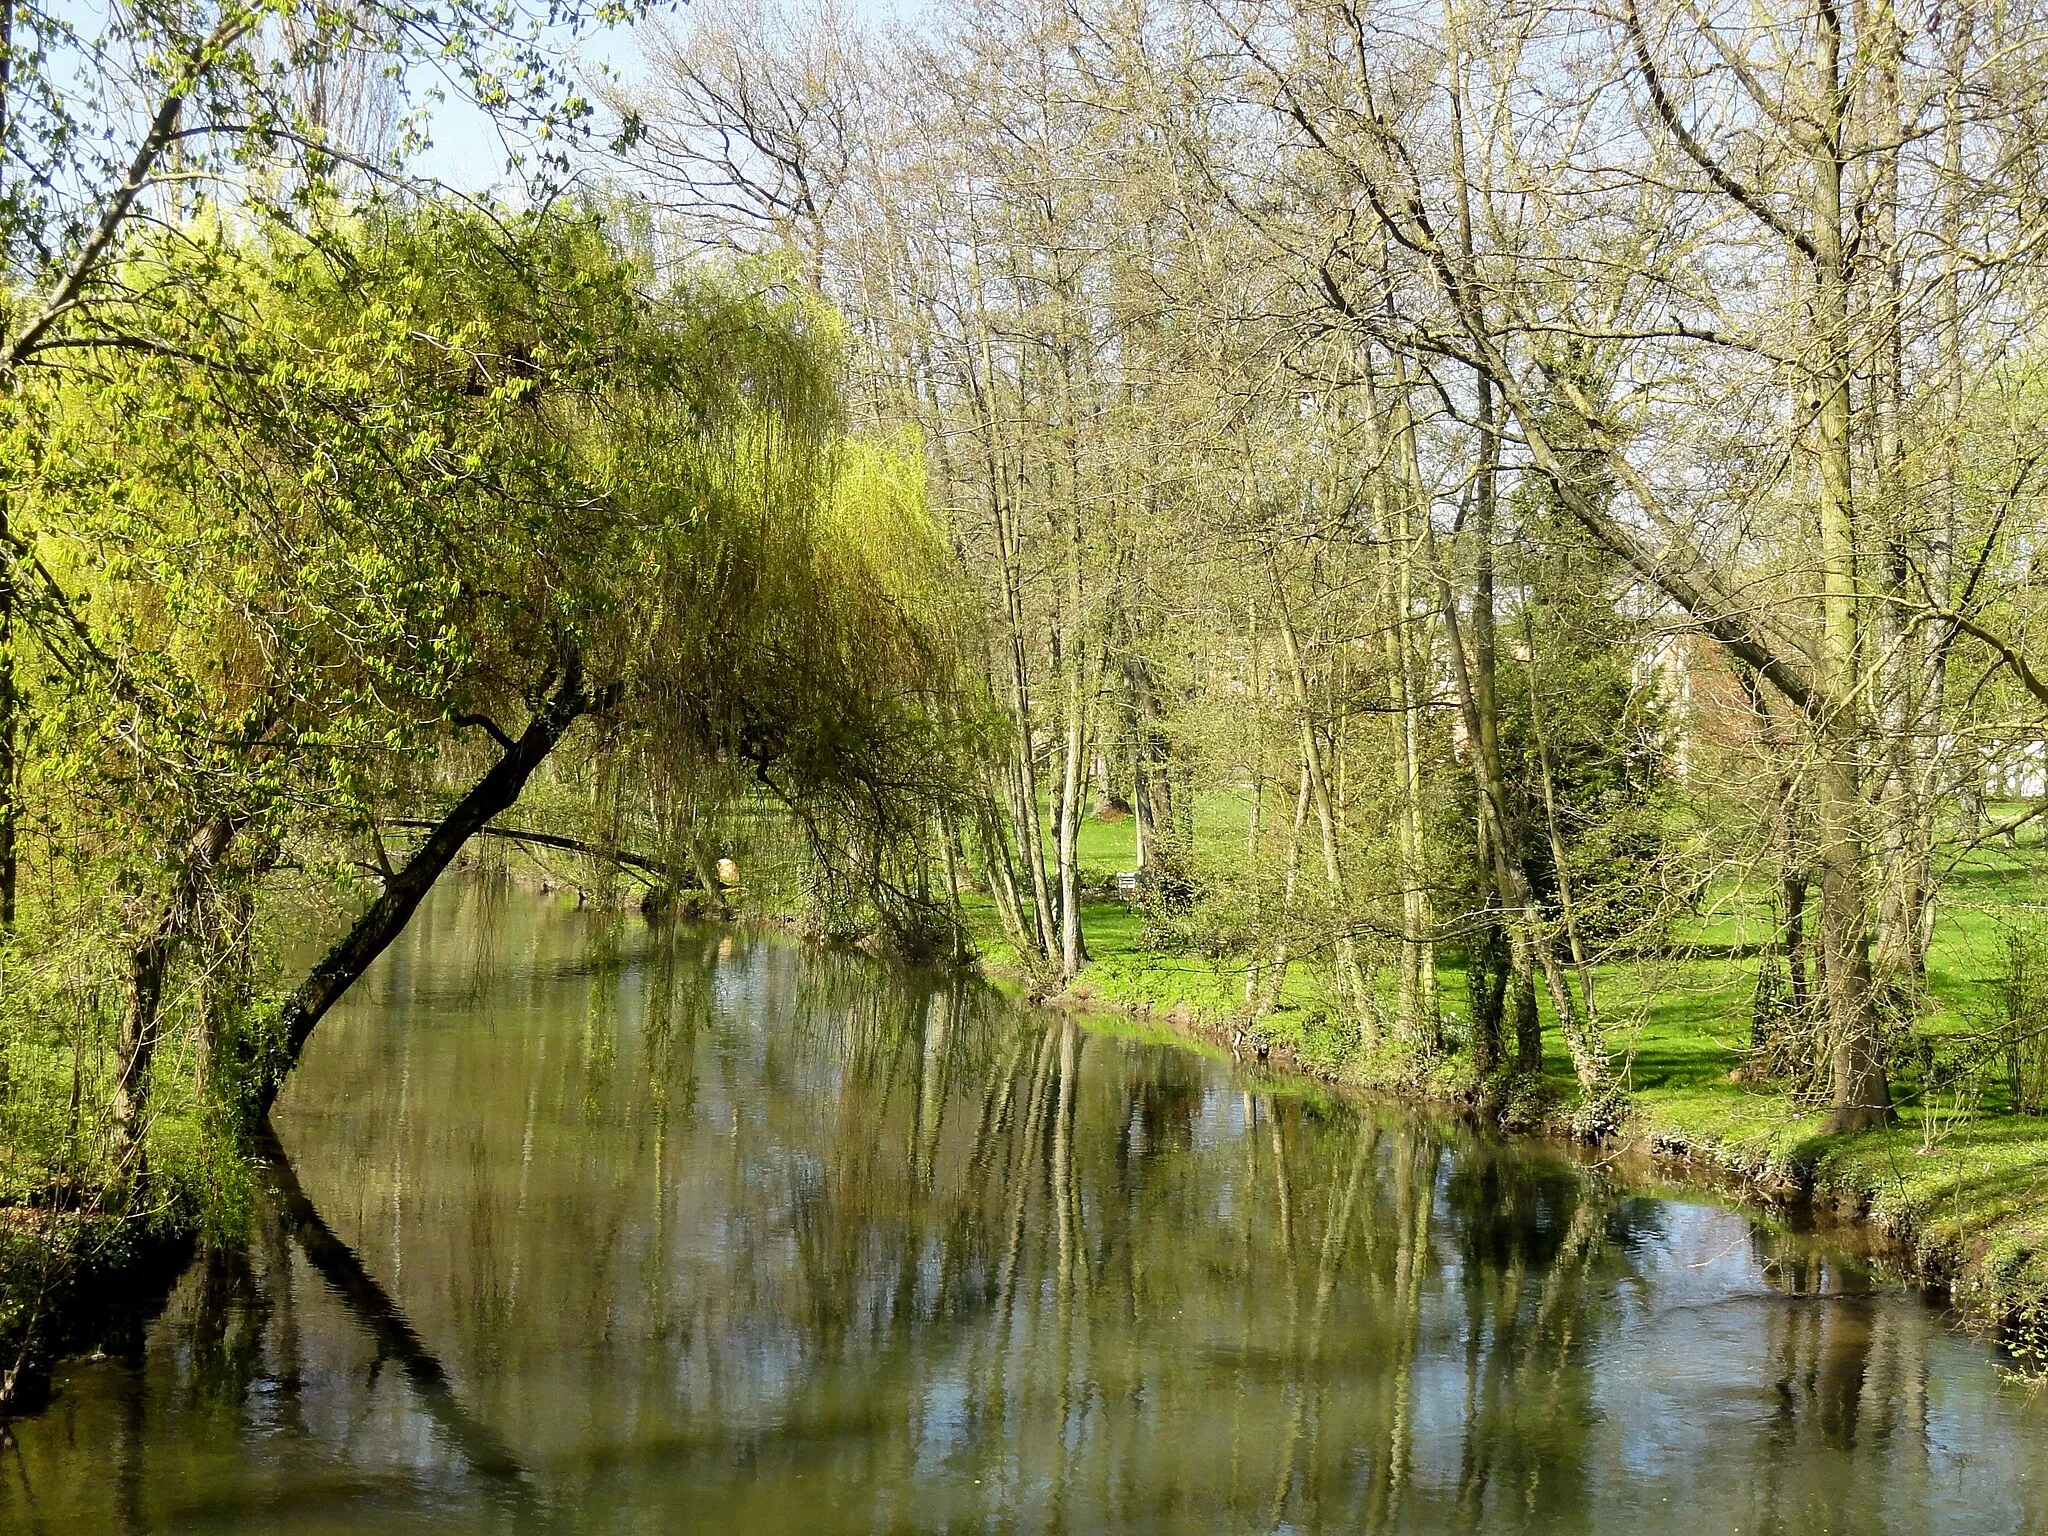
{"type": "Point", "coordinates": [496, 792]}
{"type": "Point", "coordinates": [142, 1007]}
{"type": "Point", "coordinates": [1073, 950]}
{"type": "Point", "coordinates": [1860, 1096]}
{"type": "Point", "coordinates": [1073, 785]}
{"type": "Point", "coordinates": [1567, 907]}
{"type": "Point", "coordinates": [1030, 839]}
{"type": "Point", "coordinates": [1530, 946]}
{"type": "Point", "coordinates": [1897, 961]}
{"type": "Point", "coordinates": [1254, 815]}
{"type": "Point", "coordinates": [1528, 1021]}
{"type": "Point", "coordinates": [1151, 791]}
{"type": "Point", "coordinates": [10, 701]}
{"type": "Point", "coordinates": [10, 734]}
{"type": "Point", "coordinates": [141, 1025]}
{"type": "Point", "coordinates": [1000, 871]}
{"type": "Point", "coordinates": [1485, 720]}
{"type": "Point", "coordinates": [225, 989]}
{"type": "Point", "coordinates": [1941, 754]}
{"type": "Point", "coordinates": [1351, 982]}
{"type": "Point", "coordinates": [1486, 983]}
{"type": "Point", "coordinates": [1276, 976]}
{"type": "Point", "coordinates": [1398, 513]}
{"type": "Point", "coordinates": [1144, 833]}
{"type": "Point", "coordinates": [1792, 883]}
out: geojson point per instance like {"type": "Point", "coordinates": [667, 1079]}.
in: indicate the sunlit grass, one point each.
{"type": "Point", "coordinates": [1960, 1173]}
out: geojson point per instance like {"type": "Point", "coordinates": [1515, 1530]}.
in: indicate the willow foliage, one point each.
{"type": "Point", "coordinates": [307, 560]}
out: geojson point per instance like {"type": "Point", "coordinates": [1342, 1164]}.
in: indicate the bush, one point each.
{"type": "Point", "coordinates": [2021, 992]}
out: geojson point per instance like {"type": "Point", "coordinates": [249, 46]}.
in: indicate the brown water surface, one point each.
{"type": "Point", "coordinates": [588, 1226]}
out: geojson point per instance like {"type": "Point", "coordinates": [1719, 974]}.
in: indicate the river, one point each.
{"type": "Point", "coordinates": [579, 1225]}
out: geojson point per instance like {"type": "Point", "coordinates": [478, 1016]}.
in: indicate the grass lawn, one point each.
{"type": "Point", "coordinates": [1960, 1181]}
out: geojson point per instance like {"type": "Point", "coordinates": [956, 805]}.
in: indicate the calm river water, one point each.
{"type": "Point", "coordinates": [590, 1228]}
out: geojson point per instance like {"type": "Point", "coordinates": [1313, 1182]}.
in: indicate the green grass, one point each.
{"type": "Point", "coordinates": [1960, 1184]}
{"type": "Point", "coordinates": [1110, 844]}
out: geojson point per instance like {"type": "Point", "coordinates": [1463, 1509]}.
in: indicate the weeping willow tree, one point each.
{"type": "Point", "coordinates": [877, 775]}
{"type": "Point", "coordinates": [366, 533]}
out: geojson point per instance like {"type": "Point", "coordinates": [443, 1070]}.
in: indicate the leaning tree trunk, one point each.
{"type": "Point", "coordinates": [496, 792]}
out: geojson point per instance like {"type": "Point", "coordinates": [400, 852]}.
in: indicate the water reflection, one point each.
{"type": "Point", "coordinates": [588, 1227]}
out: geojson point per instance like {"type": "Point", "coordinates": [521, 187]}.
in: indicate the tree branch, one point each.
{"type": "Point", "coordinates": [162, 130]}
{"type": "Point", "coordinates": [621, 856]}
{"type": "Point", "coordinates": [2007, 652]}
{"type": "Point", "coordinates": [497, 791]}
{"type": "Point", "coordinates": [1667, 113]}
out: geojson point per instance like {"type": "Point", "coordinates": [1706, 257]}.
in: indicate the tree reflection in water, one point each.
{"type": "Point", "coordinates": [693, 1229]}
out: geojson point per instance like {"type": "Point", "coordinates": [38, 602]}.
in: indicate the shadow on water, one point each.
{"type": "Point", "coordinates": [482, 1447]}
{"type": "Point", "coordinates": [694, 1230]}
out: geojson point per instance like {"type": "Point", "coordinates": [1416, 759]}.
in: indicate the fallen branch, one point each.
{"type": "Point", "coordinates": [620, 856]}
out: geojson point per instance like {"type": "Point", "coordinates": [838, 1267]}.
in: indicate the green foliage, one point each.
{"type": "Point", "coordinates": [297, 568]}
{"type": "Point", "coordinates": [1576, 701]}
{"type": "Point", "coordinates": [2021, 989]}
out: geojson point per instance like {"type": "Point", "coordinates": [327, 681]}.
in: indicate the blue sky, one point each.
{"type": "Point", "coordinates": [468, 151]}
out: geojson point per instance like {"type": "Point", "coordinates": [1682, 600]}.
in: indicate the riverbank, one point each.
{"type": "Point", "coordinates": [78, 1267]}
{"type": "Point", "coordinates": [70, 1284]}
{"type": "Point", "coordinates": [1956, 1200]}
{"type": "Point", "coordinates": [570, 1193]}
{"type": "Point", "coordinates": [1955, 1197]}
